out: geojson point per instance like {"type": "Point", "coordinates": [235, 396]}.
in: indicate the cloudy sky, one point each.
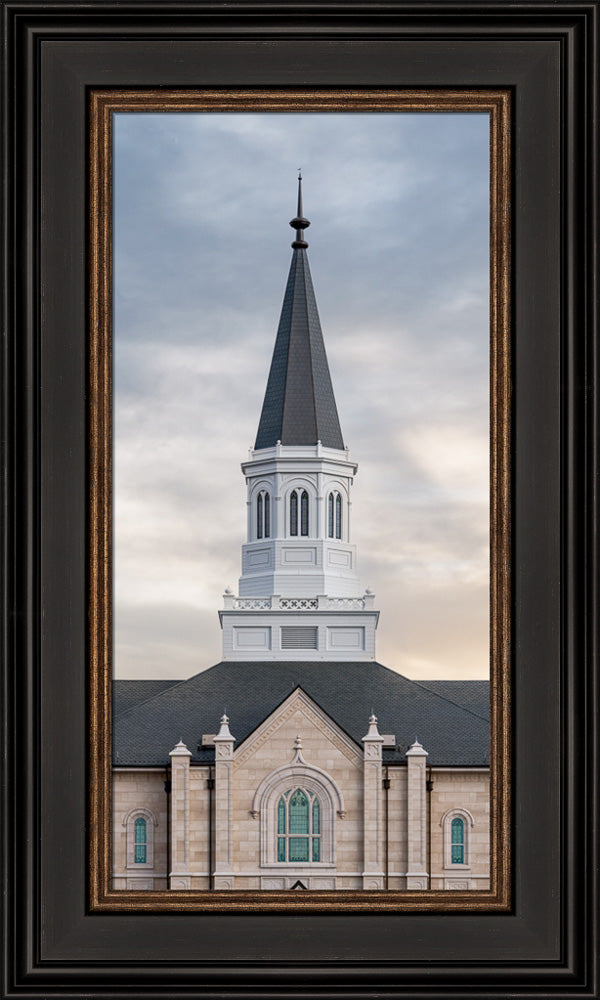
{"type": "Point", "coordinates": [398, 205]}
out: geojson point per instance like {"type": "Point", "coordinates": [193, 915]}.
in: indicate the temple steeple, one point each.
{"type": "Point", "coordinates": [300, 596]}
{"type": "Point", "coordinates": [299, 406]}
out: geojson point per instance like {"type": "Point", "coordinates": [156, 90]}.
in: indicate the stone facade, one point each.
{"type": "Point", "coordinates": [226, 837]}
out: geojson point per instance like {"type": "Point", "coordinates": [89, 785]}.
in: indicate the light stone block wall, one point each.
{"type": "Point", "coordinates": [274, 748]}
{"type": "Point", "coordinates": [199, 813]}
{"type": "Point", "coordinates": [468, 790]}
{"type": "Point", "coordinates": [139, 789]}
{"type": "Point", "coordinates": [397, 827]}
{"type": "Point", "coordinates": [324, 748]}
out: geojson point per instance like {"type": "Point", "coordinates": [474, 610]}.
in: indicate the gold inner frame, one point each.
{"type": "Point", "coordinates": [102, 105]}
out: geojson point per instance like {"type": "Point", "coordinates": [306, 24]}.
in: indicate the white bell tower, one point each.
{"type": "Point", "coordinates": [299, 593]}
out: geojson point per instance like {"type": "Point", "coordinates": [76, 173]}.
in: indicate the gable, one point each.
{"type": "Point", "coordinates": [299, 715]}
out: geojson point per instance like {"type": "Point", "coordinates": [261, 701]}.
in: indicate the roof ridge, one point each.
{"type": "Point", "coordinates": [455, 703]}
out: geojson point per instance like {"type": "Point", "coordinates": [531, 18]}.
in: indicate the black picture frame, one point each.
{"type": "Point", "coordinates": [547, 53]}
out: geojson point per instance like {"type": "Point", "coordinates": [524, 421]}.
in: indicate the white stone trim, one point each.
{"type": "Point", "coordinates": [297, 774]}
{"type": "Point", "coordinates": [446, 824]}
{"type": "Point", "coordinates": [334, 733]}
{"type": "Point", "coordinates": [129, 824]}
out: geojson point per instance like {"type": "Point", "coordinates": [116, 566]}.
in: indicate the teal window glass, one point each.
{"type": "Point", "coordinates": [338, 516]}
{"type": "Point", "coordinates": [458, 841]}
{"type": "Point", "coordinates": [298, 812]}
{"type": "Point", "coordinates": [316, 816]}
{"type": "Point", "coordinates": [294, 513]}
{"type": "Point", "coordinates": [259, 516]}
{"type": "Point", "coordinates": [140, 842]}
{"type": "Point", "coordinates": [304, 513]}
{"type": "Point", "coordinates": [298, 849]}
{"type": "Point", "coordinates": [330, 515]}
{"type": "Point", "coordinates": [267, 515]}
{"type": "Point", "coordinates": [298, 827]}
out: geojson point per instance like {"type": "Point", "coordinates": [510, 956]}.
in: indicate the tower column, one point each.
{"type": "Point", "coordinates": [179, 862]}
{"type": "Point", "coordinates": [223, 873]}
{"type": "Point", "coordinates": [373, 874]}
{"type": "Point", "coordinates": [416, 874]}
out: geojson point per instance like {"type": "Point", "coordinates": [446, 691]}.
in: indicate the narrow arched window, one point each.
{"type": "Point", "coordinates": [457, 841]}
{"type": "Point", "coordinates": [338, 516]}
{"type": "Point", "coordinates": [259, 516]}
{"type": "Point", "coordinates": [330, 515]}
{"type": "Point", "coordinates": [294, 513]}
{"type": "Point", "coordinates": [298, 827]}
{"type": "Point", "coordinates": [140, 841]}
{"type": "Point", "coordinates": [263, 515]}
{"type": "Point", "coordinates": [304, 513]}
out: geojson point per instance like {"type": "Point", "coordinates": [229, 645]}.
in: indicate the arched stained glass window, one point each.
{"type": "Point", "coordinates": [304, 513]}
{"type": "Point", "coordinates": [259, 516]}
{"type": "Point", "coordinates": [298, 827]}
{"type": "Point", "coordinates": [294, 513]}
{"type": "Point", "coordinates": [140, 841]}
{"type": "Point", "coordinates": [330, 515]}
{"type": "Point", "coordinates": [457, 841]}
{"type": "Point", "coordinates": [338, 516]}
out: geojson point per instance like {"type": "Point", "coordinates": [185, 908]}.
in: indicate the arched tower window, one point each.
{"type": "Point", "coordinates": [299, 499]}
{"type": "Point", "coordinates": [304, 513]}
{"type": "Point", "coordinates": [334, 515]}
{"type": "Point", "coordinates": [263, 515]}
{"type": "Point", "coordinates": [458, 841]}
{"type": "Point", "coordinates": [294, 513]}
{"type": "Point", "coordinates": [140, 841]}
{"type": "Point", "coordinates": [259, 516]}
{"type": "Point", "coordinates": [298, 827]}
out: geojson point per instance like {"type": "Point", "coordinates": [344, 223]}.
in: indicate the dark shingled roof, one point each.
{"type": "Point", "coordinates": [347, 692]}
{"type": "Point", "coordinates": [128, 693]}
{"type": "Point", "coordinates": [472, 695]}
{"type": "Point", "coordinates": [299, 405]}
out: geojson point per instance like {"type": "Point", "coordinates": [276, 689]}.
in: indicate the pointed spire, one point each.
{"type": "Point", "coordinates": [299, 223]}
{"type": "Point", "coordinates": [299, 406]}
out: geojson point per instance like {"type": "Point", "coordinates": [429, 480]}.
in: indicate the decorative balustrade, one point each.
{"type": "Point", "coordinates": [299, 603]}
{"type": "Point", "coordinates": [252, 603]}
{"type": "Point", "coordinates": [277, 603]}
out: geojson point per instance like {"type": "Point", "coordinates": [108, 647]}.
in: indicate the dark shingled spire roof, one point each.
{"type": "Point", "coordinates": [299, 406]}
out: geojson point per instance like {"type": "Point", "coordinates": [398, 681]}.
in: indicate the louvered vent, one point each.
{"type": "Point", "coordinates": [298, 637]}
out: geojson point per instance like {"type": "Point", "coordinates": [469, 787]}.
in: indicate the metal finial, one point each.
{"type": "Point", "coordinates": [299, 223]}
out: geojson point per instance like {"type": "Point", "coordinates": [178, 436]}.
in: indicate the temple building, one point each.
{"type": "Point", "coordinates": [327, 770]}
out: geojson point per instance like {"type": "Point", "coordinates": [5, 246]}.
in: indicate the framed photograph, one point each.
{"type": "Point", "coordinates": [387, 822]}
{"type": "Point", "coordinates": [121, 870]}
